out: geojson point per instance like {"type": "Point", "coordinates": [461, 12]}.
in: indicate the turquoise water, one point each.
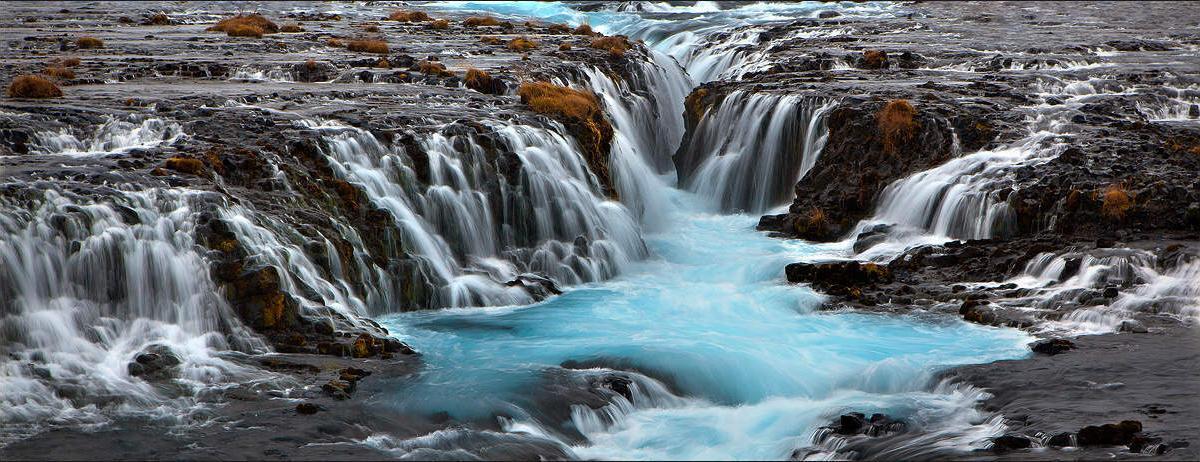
{"type": "Point", "coordinates": [756, 368]}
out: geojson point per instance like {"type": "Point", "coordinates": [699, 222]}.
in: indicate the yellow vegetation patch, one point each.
{"type": "Point", "coordinates": [33, 86]}
{"type": "Point", "coordinates": [59, 72]}
{"type": "Point", "coordinates": [440, 24]}
{"type": "Point", "coordinates": [1117, 202]}
{"type": "Point", "coordinates": [616, 45]}
{"type": "Point", "coordinates": [89, 42]}
{"type": "Point", "coordinates": [476, 21]}
{"type": "Point", "coordinates": [368, 46]}
{"type": "Point", "coordinates": [521, 44]}
{"type": "Point", "coordinates": [409, 16]}
{"type": "Point", "coordinates": [896, 124]}
{"type": "Point", "coordinates": [433, 68]}
{"type": "Point", "coordinates": [245, 25]}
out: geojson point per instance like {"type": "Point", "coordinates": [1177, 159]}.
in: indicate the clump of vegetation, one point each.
{"type": "Point", "coordinates": [490, 40]}
{"type": "Point", "coordinates": [695, 102]}
{"type": "Point", "coordinates": [89, 42]}
{"type": "Point", "coordinates": [616, 45]}
{"type": "Point", "coordinates": [409, 16]}
{"type": "Point", "coordinates": [310, 64]}
{"type": "Point", "coordinates": [368, 46]}
{"type": "Point", "coordinates": [291, 28]}
{"type": "Point", "coordinates": [564, 46]}
{"type": "Point", "coordinates": [383, 64]}
{"type": "Point", "coordinates": [185, 165]}
{"type": "Point", "coordinates": [584, 29]}
{"type": "Point", "coordinates": [159, 19]}
{"type": "Point", "coordinates": [65, 62]}
{"type": "Point", "coordinates": [551, 99]}
{"type": "Point", "coordinates": [59, 72]}
{"type": "Point", "coordinates": [33, 86]}
{"type": "Point", "coordinates": [476, 21]}
{"type": "Point", "coordinates": [580, 112]}
{"type": "Point", "coordinates": [896, 124]}
{"type": "Point", "coordinates": [521, 44]}
{"type": "Point", "coordinates": [440, 24]}
{"type": "Point", "coordinates": [371, 28]}
{"type": "Point", "coordinates": [245, 25]}
{"type": "Point", "coordinates": [334, 42]}
{"type": "Point", "coordinates": [433, 68]}
{"type": "Point", "coordinates": [874, 59]}
{"type": "Point", "coordinates": [559, 29]}
{"type": "Point", "coordinates": [1116, 202]}
{"type": "Point", "coordinates": [482, 82]}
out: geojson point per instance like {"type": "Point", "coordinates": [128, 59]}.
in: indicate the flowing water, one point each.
{"type": "Point", "coordinates": [676, 337]}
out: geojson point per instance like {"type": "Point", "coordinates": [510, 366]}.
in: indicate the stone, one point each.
{"type": "Point", "coordinates": [307, 408]}
{"type": "Point", "coordinates": [1052, 346]}
{"type": "Point", "coordinates": [1010, 442]}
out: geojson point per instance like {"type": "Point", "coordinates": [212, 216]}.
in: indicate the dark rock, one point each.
{"type": "Point", "coordinates": [1060, 440]}
{"type": "Point", "coordinates": [1052, 346]}
{"type": "Point", "coordinates": [307, 408]}
{"type": "Point", "coordinates": [1118, 434]}
{"type": "Point", "coordinates": [1010, 442]}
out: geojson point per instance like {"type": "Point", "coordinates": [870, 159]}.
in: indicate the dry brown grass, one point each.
{"type": "Point", "coordinates": [89, 42]}
{"type": "Point", "coordinates": [245, 25]}
{"type": "Point", "coordinates": [616, 45]}
{"type": "Point", "coordinates": [371, 28]}
{"type": "Point", "coordinates": [694, 102]}
{"type": "Point", "coordinates": [291, 28]}
{"type": "Point", "coordinates": [59, 72]}
{"type": "Point", "coordinates": [65, 62]}
{"type": "Point", "coordinates": [482, 82]}
{"type": "Point", "coordinates": [310, 64]}
{"type": "Point", "coordinates": [874, 59]}
{"type": "Point", "coordinates": [368, 46]}
{"type": "Point", "coordinates": [491, 40]}
{"type": "Point", "coordinates": [383, 64]}
{"type": "Point", "coordinates": [244, 30]}
{"type": "Point", "coordinates": [159, 19]}
{"type": "Point", "coordinates": [564, 46]}
{"type": "Point", "coordinates": [559, 29]}
{"type": "Point", "coordinates": [1116, 202]}
{"type": "Point", "coordinates": [409, 16]}
{"type": "Point", "coordinates": [433, 68]}
{"type": "Point", "coordinates": [547, 98]}
{"type": "Point", "coordinates": [33, 86]}
{"type": "Point", "coordinates": [584, 29]}
{"type": "Point", "coordinates": [896, 124]}
{"type": "Point", "coordinates": [476, 21]}
{"type": "Point", "coordinates": [333, 42]}
{"type": "Point", "coordinates": [185, 165]}
{"type": "Point", "coordinates": [521, 44]}
{"type": "Point", "coordinates": [816, 218]}
{"type": "Point", "coordinates": [441, 24]}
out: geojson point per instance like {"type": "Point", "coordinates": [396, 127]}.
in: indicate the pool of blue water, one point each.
{"type": "Point", "coordinates": [711, 314]}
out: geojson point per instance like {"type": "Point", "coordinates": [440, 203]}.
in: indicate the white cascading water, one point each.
{"type": "Point", "coordinates": [85, 287]}
{"type": "Point", "coordinates": [748, 152]}
{"type": "Point", "coordinates": [113, 136]}
{"type": "Point", "coordinates": [471, 243]}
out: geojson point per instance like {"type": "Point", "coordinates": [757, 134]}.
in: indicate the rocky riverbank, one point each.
{"type": "Point", "coordinates": [993, 177]}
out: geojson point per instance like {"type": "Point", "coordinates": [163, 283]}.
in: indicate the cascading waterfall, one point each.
{"type": "Point", "coordinates": [472, 239]}
{"type": "Point", "coordinates": [113, 136]}
{"type": "Point", "coordinates": [748, 152]}
{"type": "Point", "coordinates": [86, 286]}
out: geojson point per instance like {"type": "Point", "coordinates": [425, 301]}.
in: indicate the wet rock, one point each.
{"type": "Point", "coordinates": [619, 385]}
{"type": "Point", "coordinates": [1118, 434]}
{"type": "Point", "coordinates": [856, 423]}
{"type": "Point", "coordinates": [851, 273]}
{"type": "Point", "coordinates": [314, 71]}
{"type": "Point", "coordinates": [1133, 326]}
{"type": "Point", "coordinates": [1060, 440]}
{"type": "Point", "coordinates": [1010, 442]}
{"type": "Point", "coordinates": [156, 362]}
{"type": "Point", "coordinates": [1052, 346]}
{"type": "Point", "coordinates": [307, 408]}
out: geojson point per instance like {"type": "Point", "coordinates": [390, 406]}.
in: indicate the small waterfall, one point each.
{"type": "Point", "coordinates": [113, 136]}
{"type": "Point", "coordinates": [747, 153]}
{"type": "Point", "coordinates": [85, 287]}
{"type": "Point", "coordinates": [962, 198]}
{"type": "Point", "coordinates": [647, 119]}
{"type": "Point", "coordinates": [474, 239]}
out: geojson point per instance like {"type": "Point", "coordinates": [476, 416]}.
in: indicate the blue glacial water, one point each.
{"type": "Point", "coordinates": [755, 367]}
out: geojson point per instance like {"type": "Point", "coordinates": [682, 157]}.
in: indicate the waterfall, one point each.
{"type": "Point", "coordinates": [114, 135]}
{"type": "Point", "coordinates": [647, 119]}
{"type": "Point", "coordinates": [748, 152]}
{"type": "Point", "coordinates": [473, 231]}
{"type": "Point", "coordinates": [85, 287]}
